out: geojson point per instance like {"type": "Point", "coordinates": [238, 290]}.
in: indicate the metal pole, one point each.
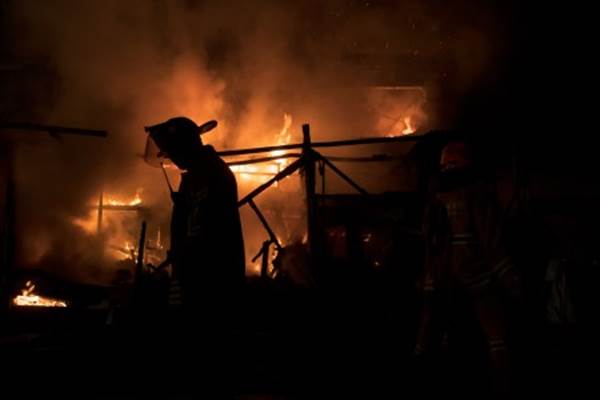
{"type": "Point", "coordinates": [100, 213]}
{"type": "Point", "coordinates": [51, 129]}
{"type": "Point", "coordinates": [343, 175]}
{"type": "Point", "coordinates": [309, 183]}
{"type": "Point", "coordinates": [7, 231]}
{"type": "Point", "coordinates": [265, 224]}
{"type": "Point", "coordinates": [322, 172]}
{"type": "Point", "coordinates": [353, 142]}
{"type": "Point", "coordinates": [164, 171]}
{"type": "Point", "coordinates": [263, 159]}
{"type": "Point", "coordinates": [264, 266]}
{"type": "Point", "coordinates": [290, 169]}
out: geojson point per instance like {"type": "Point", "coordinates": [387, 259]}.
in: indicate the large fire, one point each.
{"type": "Point", "coordinates": [28, 298]}
{"type": "Point", "coordinates": [399, 119]}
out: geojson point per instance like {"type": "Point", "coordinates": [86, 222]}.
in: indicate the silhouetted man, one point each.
{"type": "Point", "coordinates": [207, 251]}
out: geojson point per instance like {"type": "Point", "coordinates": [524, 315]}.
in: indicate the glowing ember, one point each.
{"type": "Point", "coordinates": [29, 299]}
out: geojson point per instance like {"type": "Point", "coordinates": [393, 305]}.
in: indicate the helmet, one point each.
{"type": "Point", "coordinates": [173, 136]}
{"type": "Point", "coordinates": [455, 156]}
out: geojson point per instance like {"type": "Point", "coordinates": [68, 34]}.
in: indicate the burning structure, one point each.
{"type": "Point", "coordinates": [380, 82]}
{"type": "Point", "coordinates": [379, 105]}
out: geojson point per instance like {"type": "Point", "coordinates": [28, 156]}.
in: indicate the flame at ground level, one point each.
{"type": "Point", "coordinates": [29, 299]}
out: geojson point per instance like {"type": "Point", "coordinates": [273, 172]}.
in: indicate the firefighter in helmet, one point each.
{"type": "Point", "coordinates": [207, 251]}
{"type": "Point", "coordinates": [467, 270]}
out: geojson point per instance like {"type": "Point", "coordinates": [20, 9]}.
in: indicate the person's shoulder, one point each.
{"type": "Point", "coordinates": [209, 151]}
{"type": "Point", "coordinates": [219, 165]}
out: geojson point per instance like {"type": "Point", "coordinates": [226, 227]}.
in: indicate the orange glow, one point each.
{"type": "Point", "coordinates": [255, 269]}
{"type": "Point", "coordinates": [136, 201]}
{"type": "Point", "coordinates": [132, 253]}
{"type": "Point", "coordinates": [259, 173]}
{"type": "Point", "coordinates": [254, 172]}
{"type": "Point", "coordinates": [89, 223]}
{"type": "Point", "coordinates": [119, 246]}
{"type": "Point", "coordinates": [29, 299]}
{"type": "Point", "coordinates": [285, 136]}
{"type": "Point", "coordinates": [408, 126]}
{"type": "Point", "coordinates": [397, 110]}
{"type": "Point", "coordinates": [158, 241]}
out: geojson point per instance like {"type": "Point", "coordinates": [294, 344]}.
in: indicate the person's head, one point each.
{"type": "Point", "coordinates": [456, 157]}
{"type": "Point", "coordinates": [179, 139]}
{"type": "Point", "coordinates": [456, 165]}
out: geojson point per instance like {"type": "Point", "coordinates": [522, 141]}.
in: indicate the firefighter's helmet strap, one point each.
{"type": "Point", "coordinates": [171, 191]}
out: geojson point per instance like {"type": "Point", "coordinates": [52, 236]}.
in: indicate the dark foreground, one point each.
{"type": "Point", "coordinates": [285, 345]}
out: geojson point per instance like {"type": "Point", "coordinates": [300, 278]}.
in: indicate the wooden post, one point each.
{"type": "Point", "coordinates": [139, 267]}
{"type": "Point", "coordinates": [7, 228]}
{"type": "Point", "coordinates": [264, 266]}
{"type": "Point", "coordinates": [309, 183]}
{"type": "Point", "coordinates": [265, 224]}
{"type": "Point", "coordinates": [100, 213]}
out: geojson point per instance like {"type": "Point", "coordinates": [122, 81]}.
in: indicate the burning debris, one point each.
{"type": "Point", "coordinates": [28, 298]}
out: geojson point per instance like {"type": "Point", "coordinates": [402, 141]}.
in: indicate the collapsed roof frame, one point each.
{"type": "Point", "coordinates": [305, 161]}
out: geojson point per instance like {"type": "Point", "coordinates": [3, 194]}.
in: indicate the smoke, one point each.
{"type": "Point", "coordinates": [121, 66]}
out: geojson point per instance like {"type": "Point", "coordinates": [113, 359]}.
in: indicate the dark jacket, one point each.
{"type": "Point", "coordinates": [207, 247]}
{"type": "Point", "coordinates": [464, 231]}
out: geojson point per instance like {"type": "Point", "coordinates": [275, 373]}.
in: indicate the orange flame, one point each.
{"type": "Point", "coordinates": [131, 250]}
{"type": "Point", "coordinates": [137, 200]}
{"type": "Point", "coordinates": [408, 126]}
{"type": "Point", "coordinates": [261, 172]}
{"type": "Point", "coordinates": [285, 136]}
{"type": "Point", "coordinates": [29, 299]}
